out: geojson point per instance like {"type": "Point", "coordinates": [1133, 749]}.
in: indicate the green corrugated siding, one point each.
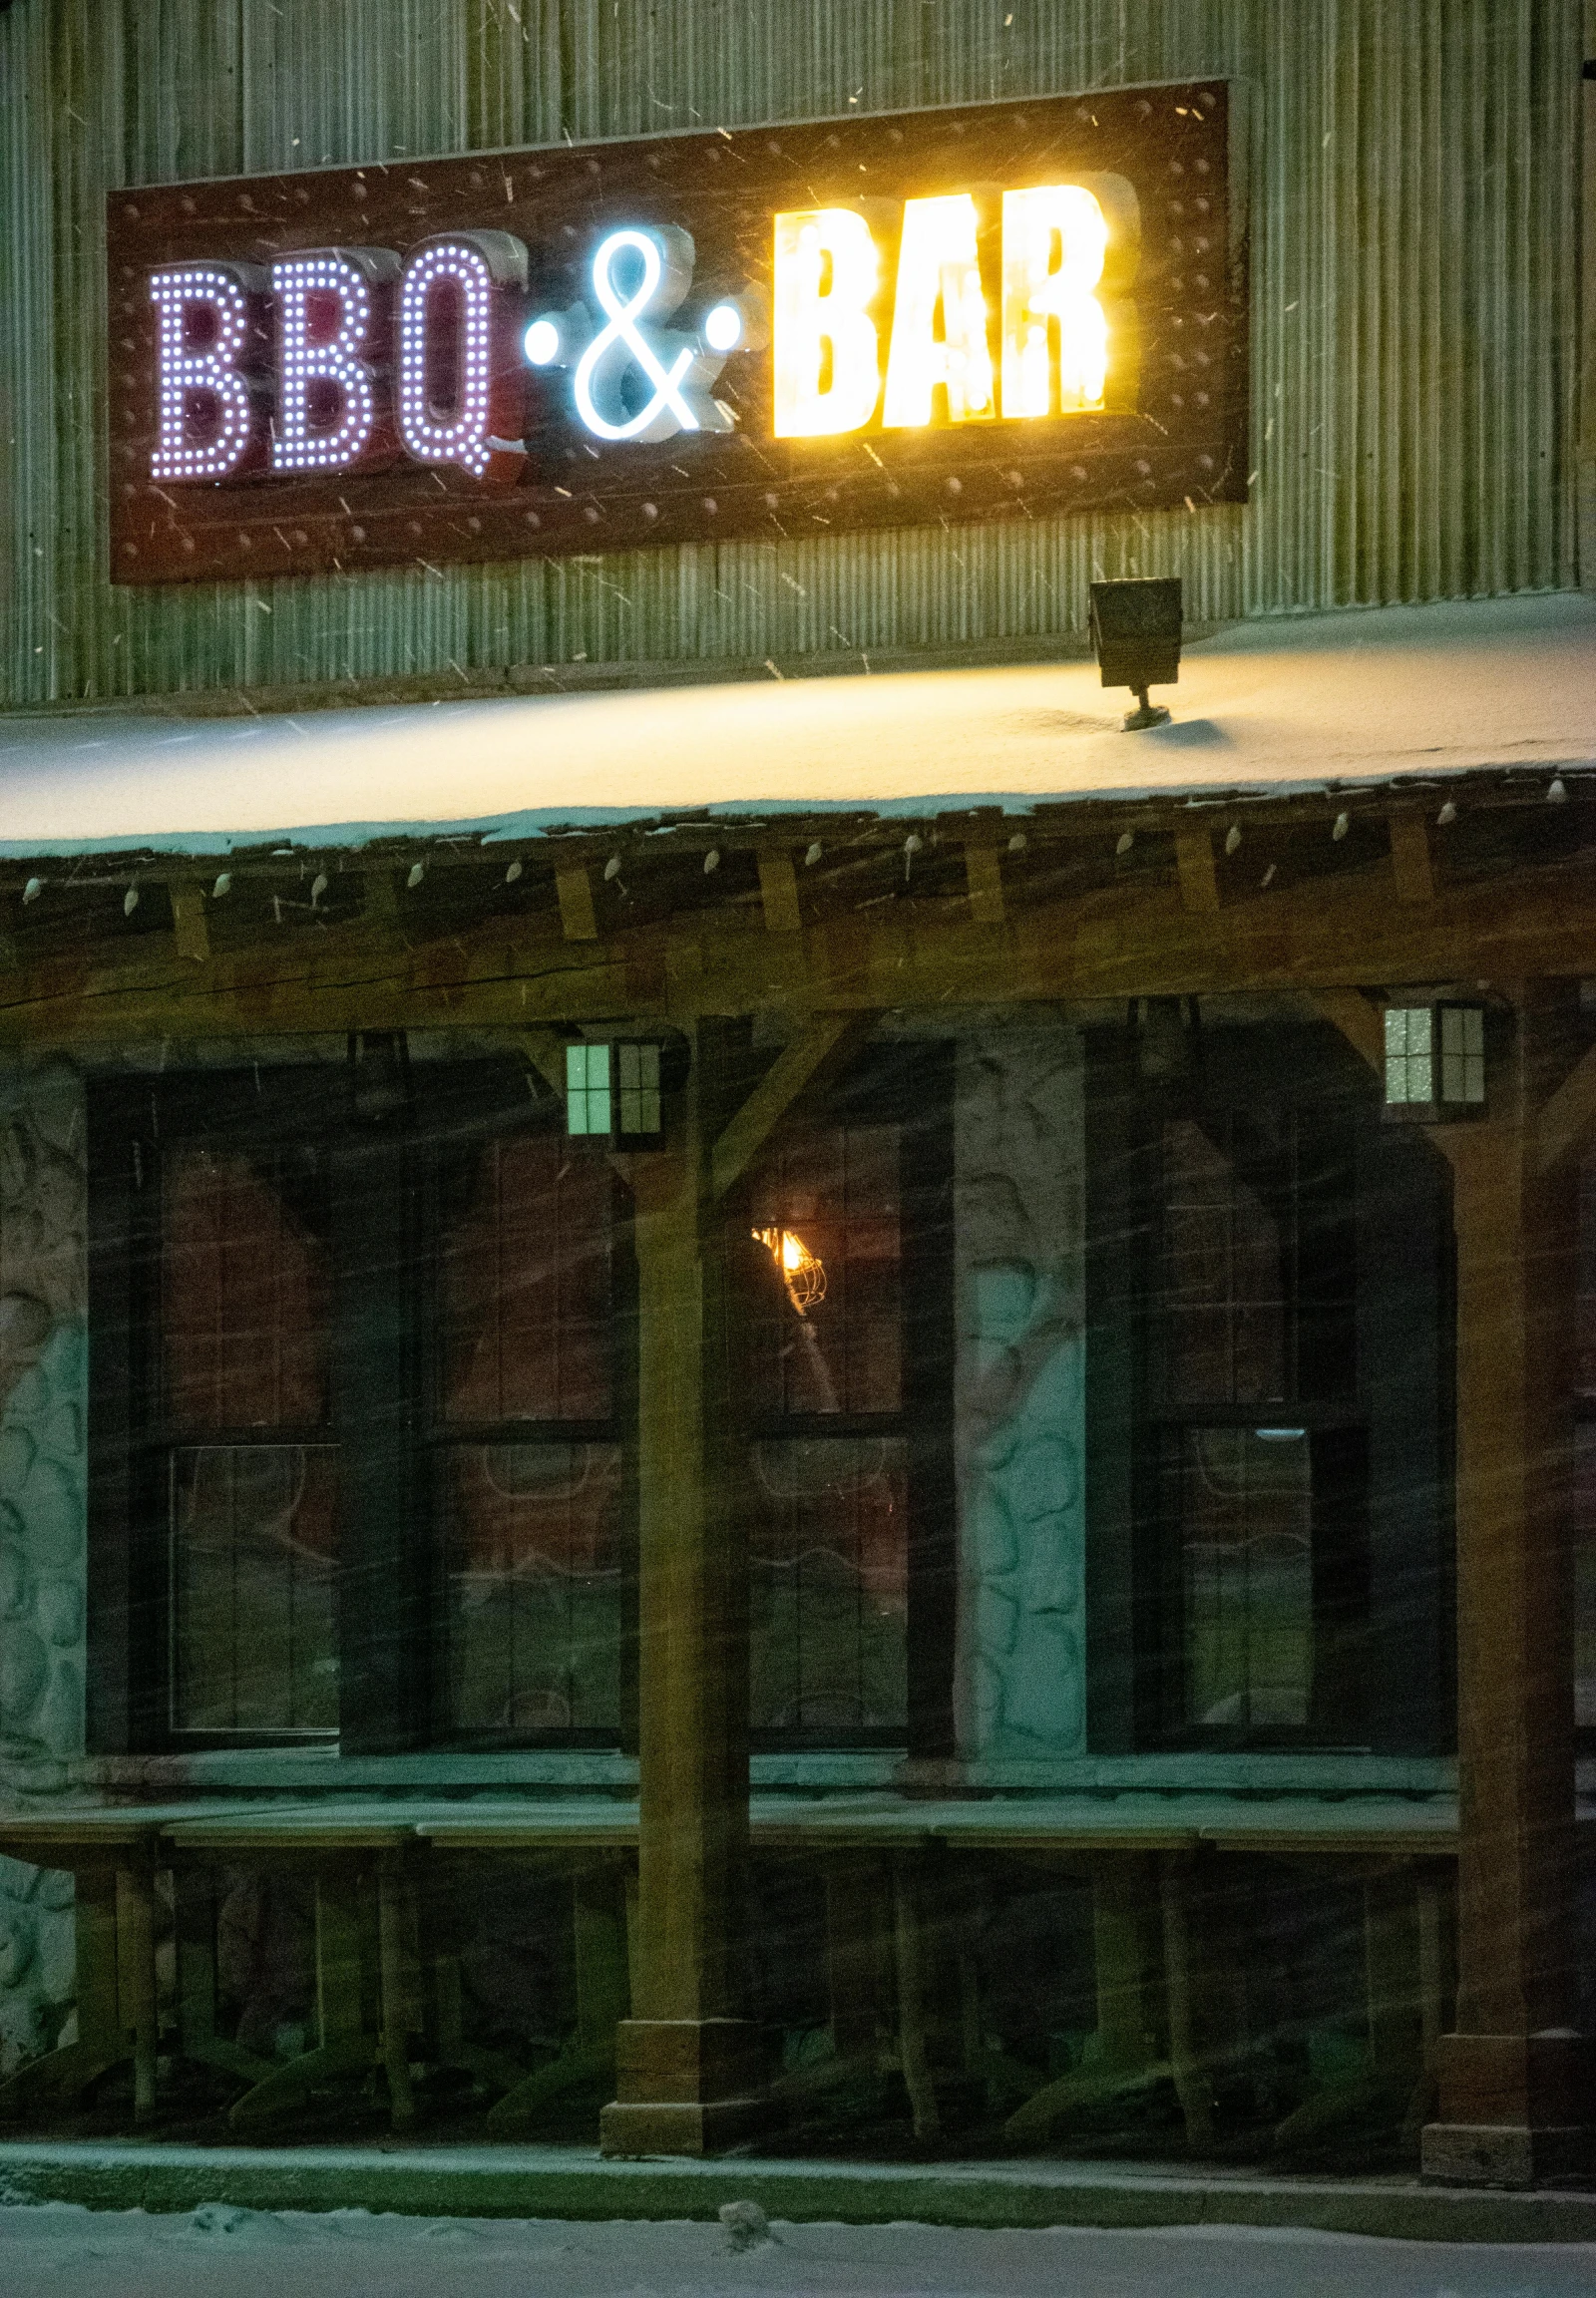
{"type": "Point", "coordinates": [1414, 251]}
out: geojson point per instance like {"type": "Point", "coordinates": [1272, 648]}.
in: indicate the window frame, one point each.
{"type": "Point", "coordinates": [390, 1575]}
{"type": "Point", "coordinates": [908, 1084]}
{"type": "Point", "coordinates": [1389, 1634]}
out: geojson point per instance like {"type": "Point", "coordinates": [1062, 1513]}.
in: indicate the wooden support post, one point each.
{"type": "Point", "coordinates": [1199, 880]}
{"type": "Point", "coordinates": [393, 1911]}
{"type": "Point", "coordinates": [599, 1913]}
{"type": "Point", "coordinates": [907, 1934]}
{"type": "Point", "coordinates": [188, 924]}
{"type": "Point", "coordinates": [576, 919]}
{"type": "Point", "coordinates": [1193, 2084]}
{"type": "Point", "coordinates": [854, 1929]}
{"type": "Point", "coordinates": [983, 875]}
{"type": "Point", "coordinates": [778, 891]}
{"type": "Point", "coordinates": [686, 2059]}
{"type": "Point", "coordinates": [1513, 2079]}
{"type": "Point", "coordinates": [1411, 867]}
{"type": "Point", "coordinates": [1392, 1981]}
{"type": "Point", "coordinates": [136, 1972]}
{"type": "Point", "coordinates": [1124, 1914]}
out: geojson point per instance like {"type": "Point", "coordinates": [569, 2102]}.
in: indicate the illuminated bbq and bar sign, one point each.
{"type": "Point", "coordinates": [995, 311]}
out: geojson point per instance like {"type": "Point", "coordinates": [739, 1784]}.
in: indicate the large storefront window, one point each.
{"type": "Point", "coordinates": [1253, 1338]}
{"type": "Point", "coordinates": [360, 1457]}
{"type": "Point", "coordinates": [525, 1441]}
{"type": "Point", "coordinates": [1269, 1401]}
{"type": "Point", "coordinates": [249, 1474]}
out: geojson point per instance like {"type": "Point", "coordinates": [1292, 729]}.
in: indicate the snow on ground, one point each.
{"type": "Point", "coordinates": [61, 2250]}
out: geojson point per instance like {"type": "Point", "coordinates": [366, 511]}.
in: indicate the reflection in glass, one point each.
{"type": "Point", "coordinates": [1584, 1512]}
{"type": "Point", "coordinates": [525, 1287]}
{"type": "Point", "coordinates": [834, 1193]}
{"type": "Point", "coordinates": [1244, 1506]}
{"type": "Point", "coordinates": [828, 1576]}
{"type": "Point", "coordinates": [253, 1548]}
{"type": "Point", "coordinates": [535, 1586]}
{"type": "Point", "coordinates": [1224, 1278]}
{"type": "Point", "coordinates": [243, 1297]}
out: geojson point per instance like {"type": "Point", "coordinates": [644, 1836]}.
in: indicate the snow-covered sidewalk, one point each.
{"type": "Point", "coordinates": [220, 2250]}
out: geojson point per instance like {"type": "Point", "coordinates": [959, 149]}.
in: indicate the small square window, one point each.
{"type": "Point", "coordinates": [1462, 1054]}
{"type": "Point", "coordinates": [640, 1088]}
{"type": "Point", "coordinates": [1435, 1060]}
{"type": "Point", "coordinates": [588, 1098]}
{"type": "Point", "coordinates": [1410, 1057]}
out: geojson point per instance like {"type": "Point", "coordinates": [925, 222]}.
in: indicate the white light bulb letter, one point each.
{"type": "Point", "coordinates": [1058, 242]}
{"type": "Point", "coordinates": [461, 376]}
{"type": "Point", "coordinates": [330, 304]}
{"type": "Point", "coordinates": [205, 414]}
{"type": "Point", "coordinates": [827, 353]}
{"type": "Point", "coordinates": [938, 270]}
{"type": "Point", "coordinates": [659, 275]}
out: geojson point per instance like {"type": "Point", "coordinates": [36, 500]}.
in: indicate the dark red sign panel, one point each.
{"type": "Point", "coordinates": [993, 311]}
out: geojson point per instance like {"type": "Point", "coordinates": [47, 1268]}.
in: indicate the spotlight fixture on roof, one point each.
{"type": "Point", "coordinates": [1135, 636]}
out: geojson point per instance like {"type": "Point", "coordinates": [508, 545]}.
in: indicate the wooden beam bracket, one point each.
{"type": "Point", "coordinates": [826, 1040]}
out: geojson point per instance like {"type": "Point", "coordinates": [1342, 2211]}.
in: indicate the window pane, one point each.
{"type": "Point", "coordinates": [253, 1551]}
{"type": "Point", "coordinates": [534, 1587]}
{"type": "Point", "coordinates": [1585, 1295]}
{"type": "Point", "coordinates": [828, 1564]}
{"type": "Point", "coordinates": [826, 1312]}
{"type": "Point", "coordinates": [1224, 1276]}
{"type": "Point", "coordinates": [1243, 1506]}
{"type": "Point", "coordinates": [525, 1286]}
{"type": "Point", "coordinates": [1585, 1575]}
{"type": "Point", "coordinates": [245, 1295]}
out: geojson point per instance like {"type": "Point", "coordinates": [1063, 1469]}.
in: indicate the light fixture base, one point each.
{"type": "Point", "coordinates": [1145, 714]}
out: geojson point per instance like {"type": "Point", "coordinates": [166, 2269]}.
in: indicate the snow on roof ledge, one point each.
{"type": "Point", "coordinates": [1267, 707]}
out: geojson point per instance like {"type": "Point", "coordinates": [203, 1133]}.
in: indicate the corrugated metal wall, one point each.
{"type": "Point", "coordinates": [1414, 251]}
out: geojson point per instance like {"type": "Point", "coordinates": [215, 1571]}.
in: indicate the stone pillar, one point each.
{"type": "Point", "coordinates": [687, 2070]}
{"type": "Point", "coordinates": [1513, 2079]}
{"type": "Point", "coordinates": [1020, 1408]}
{"type": "Point", "coordinates": [43, 1384]}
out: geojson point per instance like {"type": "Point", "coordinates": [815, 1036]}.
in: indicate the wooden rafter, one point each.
{"type": "Point", "coordinates": [824, 1041]}
{"type": "Point", "coordinates": [1568, 1115]}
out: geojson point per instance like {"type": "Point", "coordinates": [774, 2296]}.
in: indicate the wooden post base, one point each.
{"type": "Point", "coordinates": [684, 2087]}
{"type": "Point", "coordinates": [1514, 2109]}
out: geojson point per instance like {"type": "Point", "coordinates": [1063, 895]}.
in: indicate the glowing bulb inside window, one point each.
{"type": "Point", "coordinates": [827, 353]}
{"type": "Point", "coordinates": [1056, 330]}
{"type": "Point", "coordinates": [802, 1272]}
{"type": "Point", "coordinates": [940, 336]}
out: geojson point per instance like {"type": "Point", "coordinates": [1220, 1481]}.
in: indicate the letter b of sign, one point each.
{"type": "Point", "coordinates": [334, 327]}
{"type": "Point", "coordinates": [210, 339]}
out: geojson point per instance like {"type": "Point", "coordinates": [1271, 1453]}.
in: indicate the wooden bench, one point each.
{"type": "Point", "coordinates": [386, 1969]}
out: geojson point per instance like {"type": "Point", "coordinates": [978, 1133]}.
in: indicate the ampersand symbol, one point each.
{"type": "Point", "coordinates": [623, 344]}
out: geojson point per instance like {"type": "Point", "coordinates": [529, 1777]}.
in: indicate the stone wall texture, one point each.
{"type": "Point", "coordinates": [1020, 1394]}
{"type": "Point", "coordinates": [42, 1507]}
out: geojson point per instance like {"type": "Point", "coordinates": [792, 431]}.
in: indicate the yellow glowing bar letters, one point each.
{"type": "Point", "coordinates": [825, 347]}
{"type": "Point", "coordinates": [1066, 248]}
{"type": "Point", "coordinates": [938, 266]}
{"type": "Point", "coordinates": [1055, 243]}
